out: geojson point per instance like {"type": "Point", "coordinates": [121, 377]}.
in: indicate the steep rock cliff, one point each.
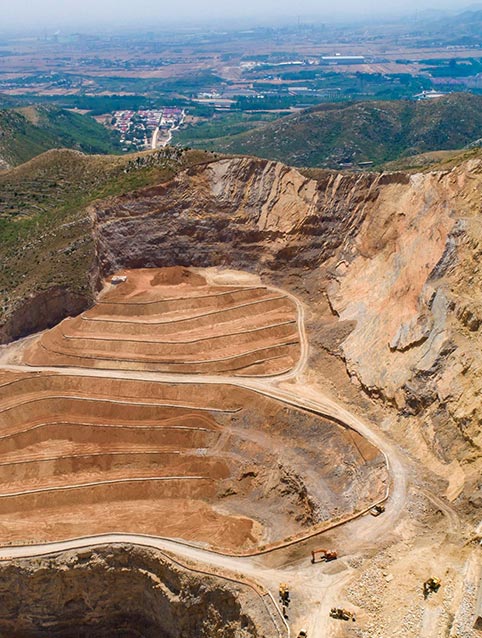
{"type": "Point", "coordinates": [239, 212]}
{"type": "Point", "coordinates": [409, 284]}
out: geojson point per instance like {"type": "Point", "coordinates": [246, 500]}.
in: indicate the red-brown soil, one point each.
{"type": "Point", "coordinates": [206, 462]}
{"type": "Point", "coordinates": [171, 320]}
{"type": "Point", "coordinates": [215, 463]}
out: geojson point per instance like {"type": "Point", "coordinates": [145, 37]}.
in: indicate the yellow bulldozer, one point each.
{"type": "Point", "coordinates": [431, 586]}
{"type": "Point", "coordinates": [342, 614]}
{"type": "Point", "coordinates": [284, 594]}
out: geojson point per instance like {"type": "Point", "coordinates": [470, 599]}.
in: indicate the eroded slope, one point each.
{"type": "Point", "coordinates": [125, 592]}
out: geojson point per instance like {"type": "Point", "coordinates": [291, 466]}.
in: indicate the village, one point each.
{"type": "Point", "coordinates": [146, 128]}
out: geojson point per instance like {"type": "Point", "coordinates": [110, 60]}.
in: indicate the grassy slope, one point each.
{"type": "Point", "coordinates": [7, 101]}
{"type": "Point", "coordinates": [45, 235]}
{"type": "Point", "coordinates": [25, 133]}
{"type": "Point", "coordinates": [222, 124]}
{"type": "Point", "coordinates": [364, 131]}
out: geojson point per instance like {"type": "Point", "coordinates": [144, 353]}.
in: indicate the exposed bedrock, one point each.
{"type": "Point", "coordinates": [410, 285]}
{"type": "Point", "coordinates": [41, 311]}
{"type": "Point", "coordinates": [240, 212]}
{"type": "Point", "coordinates": [396, 255]}
{"type": "Point", "coordinates": [126, 592]}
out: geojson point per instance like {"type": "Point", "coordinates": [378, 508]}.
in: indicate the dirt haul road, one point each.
{"type": "Point", "coordinates": [314, 589]}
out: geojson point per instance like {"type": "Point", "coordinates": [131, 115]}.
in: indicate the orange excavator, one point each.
{"type": "Point", "coordinates": [323, 555]}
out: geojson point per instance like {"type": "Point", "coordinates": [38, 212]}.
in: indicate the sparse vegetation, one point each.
{"type": "Point", "coordinates": [45, 237]}
{"type": "Point", "coordinates": [221, 125]}
{"type": "Point", "coordinates": [29, 131]}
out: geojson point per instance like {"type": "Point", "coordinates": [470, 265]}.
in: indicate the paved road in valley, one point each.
{"type": "Point", "coordinates": [169, 137]}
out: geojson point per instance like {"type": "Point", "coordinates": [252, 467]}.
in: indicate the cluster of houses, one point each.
{"type": "Point", "coordinates": [136, 127]}
{"type": "Point", "coordinates": [170, 117]}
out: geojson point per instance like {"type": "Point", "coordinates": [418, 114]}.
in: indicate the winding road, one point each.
{"type": "Point", "coordinates": [314, 588]}
{"type": "Point", "coordinates": [155, 135]}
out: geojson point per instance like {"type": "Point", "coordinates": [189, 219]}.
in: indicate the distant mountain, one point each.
{"type": "Point", "coordinates": [470, 18]}
{"type": "Point", "coordinates": [331, 135]}
{"type": "Point", "coordinates": [464, 27]}
{"type": "Point", "coordinates": [28, 131]}
{"type": "Point", "coordinates": [428, 14]}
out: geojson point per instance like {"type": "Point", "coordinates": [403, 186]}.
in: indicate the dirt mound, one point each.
{"type": "Point", "coordinates": [176, 275]}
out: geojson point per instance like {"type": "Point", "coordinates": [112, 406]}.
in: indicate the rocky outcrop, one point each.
{"type": "Point", "coordinates": [241, 212]}
{"type": "Point", "coordinates": [408, 282]}
{"type": "Point", "coordinates": [124, 591]}
{"type": "Point", "coordinates": [42, 311]}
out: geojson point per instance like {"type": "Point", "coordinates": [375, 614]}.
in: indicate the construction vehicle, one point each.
{"type": "Point", "coordinates": [377, 510]}
{"type": "Point", "coordinates": [284, 594]}
{"type": "Point", "coordinates": [325, 555]}
{"type": "Point", "coordinates": [431, 586]}
{"type": "Point", "coordinates": [342, 614]}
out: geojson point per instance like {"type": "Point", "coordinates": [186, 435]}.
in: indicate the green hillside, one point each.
{"type": "Point", "coordinates": [29, 131]}
{"type": "Point", "coordinates": [331, 135]}
{"type": "Point", "coordinates": [45, 232]}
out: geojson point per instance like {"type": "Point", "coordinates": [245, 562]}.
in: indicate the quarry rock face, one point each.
{"type": "Point", "coordinates": [395, 254]}
{"type": "Point", "coordinates": [124, 591]}
{"type": "Point", "coordinates": [356, 290]}
{"type": "Point", "coordinates": [244, 213]}
{"type": "Point", "coordinates": [42, 311]}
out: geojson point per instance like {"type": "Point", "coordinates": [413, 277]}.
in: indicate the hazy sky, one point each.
{"type": "Point", "coordinates": [31, 13]}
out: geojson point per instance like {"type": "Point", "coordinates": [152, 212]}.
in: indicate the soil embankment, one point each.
{"type": "Point", "coordinates": [164, 322]}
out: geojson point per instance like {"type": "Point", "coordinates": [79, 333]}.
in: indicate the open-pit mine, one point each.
{"type": "Point", "coordinates": [192, 328]}
{"type": "Point", "coordinates": [267, 434]}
